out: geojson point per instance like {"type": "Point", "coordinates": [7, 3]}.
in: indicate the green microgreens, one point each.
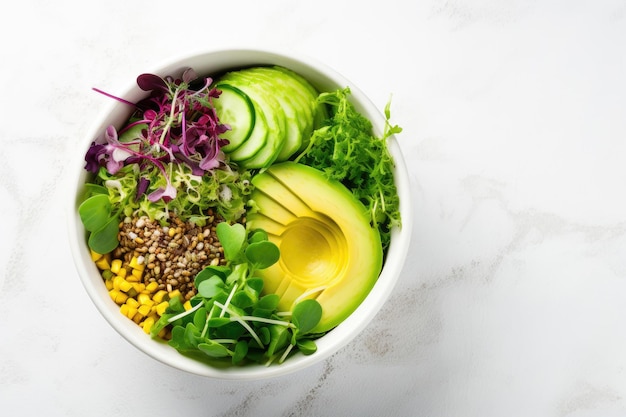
{"type": "Point", "coordinates": [96, 213]}
{"type": "Point", "coordinates": [230, 318]}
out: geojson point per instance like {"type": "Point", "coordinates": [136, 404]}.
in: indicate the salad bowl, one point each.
{"type": "Point", "coordinates": [207, 63]}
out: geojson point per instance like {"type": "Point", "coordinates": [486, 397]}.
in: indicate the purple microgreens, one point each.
{"type": "Point", "coordinates": [142, 187]}
{"type": "Point", "coordinates": [108, 151]}
{"type": "Point", "coordinates": [113, 97]}
{"type": "Point", "coordinates": [190, 75]}
{"type": "Point", "coordinates": [149, 82]}
{"type": "Point", "coordinates": [167, 194]}
{"type": "Point", "coordinates": [177, 124]}
{"type": "Point", "coordinates": [117, 153]}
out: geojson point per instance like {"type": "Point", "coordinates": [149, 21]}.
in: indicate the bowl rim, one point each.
{"type": "Point", "coordinates": [328, 344]}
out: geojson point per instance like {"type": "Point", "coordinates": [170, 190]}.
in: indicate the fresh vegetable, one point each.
{"type": "Point", "coordinates": [271, 111]}
{"type": "Point", "coordinates": [96, 215]}
{"type": "Point", "coordinates": [176, 123]}
{"type": "Point", "coordinates": [229, 318]}
{"type": "Point", "coordinates": [346, 150]}
{"type": "Point", "coordinates": [328, 249]}
{"type": "Point", "coordinates": [143, 303]}
{"type": "Point", "coordinates": [236, 107]}
{"type": "Point", "coordinates": [293, 176]}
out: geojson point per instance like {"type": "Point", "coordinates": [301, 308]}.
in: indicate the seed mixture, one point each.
{"type": "Point", "coordinates": [172, 255]}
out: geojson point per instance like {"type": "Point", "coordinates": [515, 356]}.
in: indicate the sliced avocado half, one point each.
{"type": "Point", "coordinates": [329, 251]}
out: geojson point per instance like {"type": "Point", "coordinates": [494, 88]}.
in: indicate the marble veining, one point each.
{"type": "Point", "coordinates": [511, 302]}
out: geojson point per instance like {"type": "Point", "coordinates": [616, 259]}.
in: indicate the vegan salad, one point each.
{"type": "Point", "coordinates": [239, 217]}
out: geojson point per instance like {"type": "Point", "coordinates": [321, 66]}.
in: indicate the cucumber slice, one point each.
{"type": "Point", "coordinates": [256, 141]}
{"type": "Point", "coordinates": [295, 104]}
{"type": "Point", "coordinates": [266, 103]}
{"type": "Point", "coordinates": [287, 104]}
{"type": "Point", "coordinates": [268, 153]}
{"type": "Point", "coordinates": [320, 112]}
{"type": "Point", "coordinates": [234, 108]}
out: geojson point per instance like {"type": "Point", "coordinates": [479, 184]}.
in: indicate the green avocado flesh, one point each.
{"type": "Point", "coordinates": [328, 250]}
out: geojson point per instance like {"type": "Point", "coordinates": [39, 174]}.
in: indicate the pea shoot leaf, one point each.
{"type": "Point", "coordinates": [262, 254]}
{"type": "Point", "coordinates": [104, 240]}
{"type": "Point", "coordinates": [306, 314]}
{"type": "Point", "coordinates": [211, 287]}
{"type": "Point", "coordinates": [279, 338]}
{"type": "Point", "coordinates": [213, 349]}
{"type": "Point", "coordinates": [306, 346]}
{"type": "Point", "coordinates": [94, 212]}
{"type": "Point", "coordinates": [240, 352]}
{"type": "Point", "coordinates": [210, 271]}
{"type": "Point", "coordinates": [232, 237]}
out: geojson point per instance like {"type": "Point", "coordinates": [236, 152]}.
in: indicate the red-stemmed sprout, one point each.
{"type": "Point", "coordinates": [174, 124]}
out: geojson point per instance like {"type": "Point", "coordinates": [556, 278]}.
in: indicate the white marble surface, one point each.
{"type": "Point", "coordinates": [513, 301]}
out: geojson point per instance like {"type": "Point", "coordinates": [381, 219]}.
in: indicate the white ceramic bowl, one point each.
{"type": "Point", "coordinates": [207, 63]}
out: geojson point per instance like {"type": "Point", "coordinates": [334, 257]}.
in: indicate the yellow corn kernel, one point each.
{"type": "Point", "coordinates": [116, 265]}
{"type": "Point", "coordinates": [159, 296]}
{"type": "Point", "coordinates": [125, 285]}
{"type": "Point", "coordinates": [117, 280]}
{"type": "Point", "coordinates": [95, 255]}
{"type": "Point", "coordinates": [144, 309]}
{"type": "Point", "coordinates": [122, 272]}
{"type": "Point", "coordinates": [136, 263]}
{"type": "Point", "coordinates": [171, 232]}
{"type": "Point", "coordinates": [118, 296]}
{"type": "Point", "coordinates": [160, 308]}
{"type": "Point", "coordinates": [132, 277]}
{"type": "Point", "coordinates": [124, 309]}
{"type": "Point", "coordinates": [174, 294]}
{"type": "Point", "coordinates": [131, 302]}
{"type": "Point", "coordinates": [139, 240]}
{"type": "Point", "coordinates": [138, 317]}
{"type": "Point", "coordinates": [139, 287]}
{"type": "Point", "coordinates": [187, 305]}
{"type": "Point", "coordinates": [152, 287]}
{"type": "Point", "coordinates": [119, 283]}
{"type": "Point", "coordinates": [103, 263]}
{"type": "Point", "coordinates": [147, 324]}
{"type": "Point", "coordinates": [108, 284]}
{"type": "Point", "coordinates": [144, 298]}
{"type": "Point", "coordinates": [131, 312]}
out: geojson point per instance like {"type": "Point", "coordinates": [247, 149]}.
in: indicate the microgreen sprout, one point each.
{"type": "Point", "coordinates": [184, 313]}
{"type": "Point", "coordinates": [96, 215]}
{"type": "Point", "coordinates": [230, 317]}
{"type": "Point", "coordinates": [175, 123]}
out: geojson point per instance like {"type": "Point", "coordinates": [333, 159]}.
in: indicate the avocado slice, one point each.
{"type": "Point", "coordinates": [329, 251]}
